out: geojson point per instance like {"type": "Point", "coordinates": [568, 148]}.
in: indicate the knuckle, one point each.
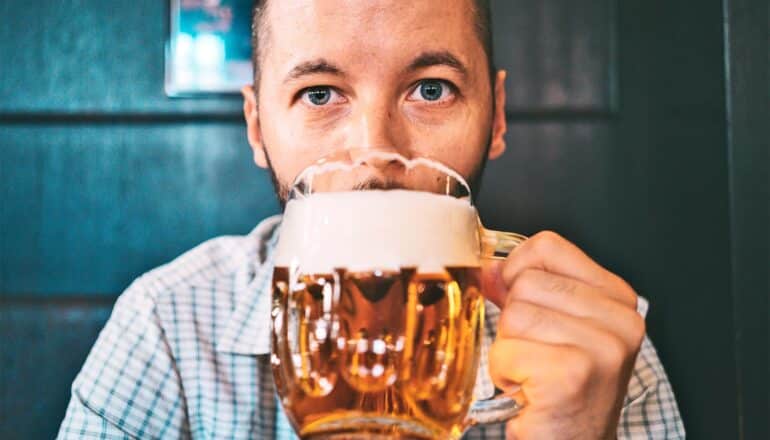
{"type": "Point", "coordinates": [626, 291]}
{"type": "Point", "coordinates": [549, 236]}
{"type": "Point", "coordinates": [524, 284]}
{"type": "Point", "coordinates": [630, 296]}
{"type": "Point", "coordinates": [614, 352]}
{"type": "Point", "coordinates": [638, 330]}
{"type": "Point", "coordinates": [633, 299]}
{"type": "Point", "coordinates": [545, 241]}
{"type": "Point", "coordinates": [562, 285]}
{"type": "Point", "coordinates": [531, 318]}
{"type": "Point", "coordinates": [519, 318]}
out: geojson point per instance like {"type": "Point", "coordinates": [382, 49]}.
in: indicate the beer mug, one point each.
{"type": "Point", "coordinates": [377, 313]}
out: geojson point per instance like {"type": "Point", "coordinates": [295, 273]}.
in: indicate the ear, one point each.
{"type": "Point", "coordinates": [251, 113]}
{"type": "Point", "coordinates": [499, 124]}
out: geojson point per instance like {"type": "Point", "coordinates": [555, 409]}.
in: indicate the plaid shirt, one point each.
{"type": "Point", "coordinates": [186, 354]}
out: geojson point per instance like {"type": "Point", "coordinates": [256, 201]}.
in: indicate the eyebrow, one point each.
{"type": "Point", "coordinates": [437, 58]}
{"type": "Point", "coordinates": [319, 65]}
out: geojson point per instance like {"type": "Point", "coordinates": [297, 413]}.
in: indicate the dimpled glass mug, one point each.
{"type": "Point", "coordinates": [377, 313]}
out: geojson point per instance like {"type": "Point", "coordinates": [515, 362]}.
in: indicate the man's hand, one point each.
{"type": "Point", "coordinates": [568, 334]}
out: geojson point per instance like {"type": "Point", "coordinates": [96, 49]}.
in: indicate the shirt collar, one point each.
{"type": "Point", "coordinates": [248, 329]}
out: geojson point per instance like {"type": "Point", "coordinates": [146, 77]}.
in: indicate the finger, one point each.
{"type": "Point", "coordinates": [550, 252]}
{"type": "Point", "coordinates": [492, 286]}
{"type": "Point", "coordinates": [575, 298]}
{"type": "Point", "coordinates": [524, 320]}
{"type": "Point", "coordinates": [541, 372]}
{"type": "Point", "coordinates": [511, 361]}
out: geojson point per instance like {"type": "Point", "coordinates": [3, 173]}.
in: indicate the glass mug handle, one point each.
{"type": "Point", "coordinates": [495, 245]}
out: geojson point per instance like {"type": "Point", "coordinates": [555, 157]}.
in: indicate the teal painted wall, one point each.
{"type": "Point", "coordinates": [101, 179]}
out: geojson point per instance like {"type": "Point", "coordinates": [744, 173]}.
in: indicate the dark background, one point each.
{"type": "Point", "coordinates": [638, 129]}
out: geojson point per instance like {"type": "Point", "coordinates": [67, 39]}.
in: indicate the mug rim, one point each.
{"type": "Point", "coordinates": [329, 163]}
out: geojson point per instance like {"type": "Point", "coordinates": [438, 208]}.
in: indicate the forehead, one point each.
{"type": "Point", "coordinates": [369, 33]}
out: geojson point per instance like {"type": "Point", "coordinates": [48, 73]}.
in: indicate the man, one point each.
{"type": "Point", "coordinates": [185, 353]}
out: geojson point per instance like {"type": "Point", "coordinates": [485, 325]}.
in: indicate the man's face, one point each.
{"type": "Point", "coordinates": [403, 76]}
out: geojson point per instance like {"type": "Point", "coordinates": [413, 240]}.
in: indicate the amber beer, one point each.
{"type": "Point", "coordinates": [377, 314]}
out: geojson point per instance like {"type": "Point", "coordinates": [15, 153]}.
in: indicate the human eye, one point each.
{"type": "Point", "coordinates": [433, 91]}
{"type": "Point", "coordinates": [318, 96]}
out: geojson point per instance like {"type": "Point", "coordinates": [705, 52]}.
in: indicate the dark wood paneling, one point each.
{"type": "Point", "coordinates": [559, 54]}
{"type": "Point", "coordinates": [90, 56]}
{"type": "Point", "coordinates": [44, 346]}
{"type": "Point", "coordinates": [670, 189]}
{"type": "Point", "coordinates": [749, 166]}
{"type": "Point", "coordinates": [553, 175]}
{"type": "Point", "coordinates": [645, 192]}
{"type": "Point", "coordinates": [92, 207]}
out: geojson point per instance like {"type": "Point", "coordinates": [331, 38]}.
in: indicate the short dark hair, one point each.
{"type": "Point", "coordinates": [483, 31]}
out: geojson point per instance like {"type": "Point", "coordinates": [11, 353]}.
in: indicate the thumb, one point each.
{"type": "Point", "coordinates": [492, 285]}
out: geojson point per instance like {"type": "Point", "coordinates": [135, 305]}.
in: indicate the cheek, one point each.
{"type": "Point", "coordinates": [292, 145]}
{"type": "Point", "coordinates": [458, 138]}
{"type": "Point", "coordinates": [459, 142]}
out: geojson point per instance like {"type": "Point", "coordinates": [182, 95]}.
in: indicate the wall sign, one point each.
{"type": "Point", "coordinates": [209, 47]}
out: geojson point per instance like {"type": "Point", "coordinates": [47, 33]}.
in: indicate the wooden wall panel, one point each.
{"type": "Point", "coordinates": [670, 184]}
{"type": "Point", "coordinates": [93, 206]}
{"type": "Point", "coordinates": [747, 51]}
{"type": "Point", "coordinates": [44, 345]}
{"type": "Point", "coordinates": [553, 175]}
{"type": "Point", "coordinates": [559, 54]}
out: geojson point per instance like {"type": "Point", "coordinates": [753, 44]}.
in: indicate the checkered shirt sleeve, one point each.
{"type": "Point", "coordinates": [129, 386]}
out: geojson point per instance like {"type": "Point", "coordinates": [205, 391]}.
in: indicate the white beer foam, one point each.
{"type": "Point", "coordinates": [378, 230]}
